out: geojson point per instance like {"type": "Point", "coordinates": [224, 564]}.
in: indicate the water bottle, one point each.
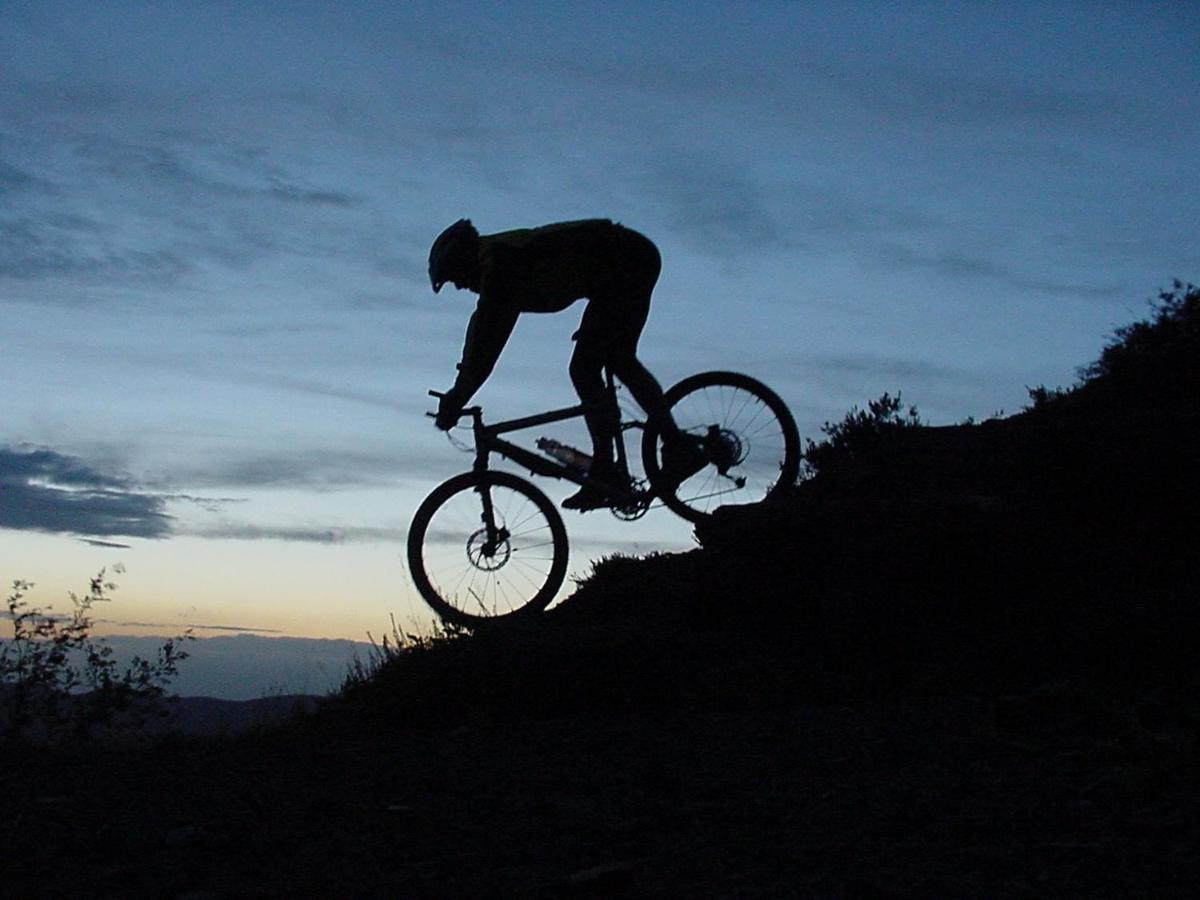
{"type": "Point", "coordinates": [576, 459]}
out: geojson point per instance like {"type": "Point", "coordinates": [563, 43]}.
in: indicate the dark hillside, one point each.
{"type": "Point", "coordinates": [957, 661]}
{"type": "Point", "coordinates": [1015, 549]}
{"type": "Point", "coordinates": [1058, 543]}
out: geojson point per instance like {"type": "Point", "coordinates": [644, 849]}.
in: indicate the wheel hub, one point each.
{"type": "Point", "coordinates": [489, 555]}
{"type": "Point", "coordinates": [725, 449]}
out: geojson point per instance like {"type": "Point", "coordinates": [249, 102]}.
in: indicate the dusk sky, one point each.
{"type": "Point", "coordinates": [218, 332]}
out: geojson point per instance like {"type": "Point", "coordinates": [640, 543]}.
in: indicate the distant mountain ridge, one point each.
{"type": "Point", "coordinates": [210, 716]}
{"type": "Point", "coordinates": [243, 667]}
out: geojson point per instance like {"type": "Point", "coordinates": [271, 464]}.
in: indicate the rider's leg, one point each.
{"type": "Point", "coordinates": [602, 417]}
{"type": "Point", "coordinates": [608, 335]}
{"type": "Point", "coordinates": [645, 390]}
{"type": "Point", "coordinates": [621, 312]}
{"type": "Point", "coordinates": [587, 368]}
{"type": "Point", "coordinates": [682, 455]}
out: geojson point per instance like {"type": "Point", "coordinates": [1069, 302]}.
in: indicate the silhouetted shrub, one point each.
{"type": "Point", "coordinates": [1153, 363]}
{"type": "Point", "coordinates": [859, 436]}
{"type": "Point", "coordinates": [1042, 397]}
{"type": "Point", "coordinates": [56, 680]}
{"type": "Point", "coordinates": [1166, 344]}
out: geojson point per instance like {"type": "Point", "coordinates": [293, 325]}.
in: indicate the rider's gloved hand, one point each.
{"type": "Point", "coordinates": [449, 408]}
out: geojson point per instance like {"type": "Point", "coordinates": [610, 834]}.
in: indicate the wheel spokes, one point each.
{"type": "Point", "coordinates": [482, 577]}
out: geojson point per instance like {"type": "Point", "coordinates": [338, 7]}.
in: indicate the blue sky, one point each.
{"type": "Point", "coordinates": [218, 332]}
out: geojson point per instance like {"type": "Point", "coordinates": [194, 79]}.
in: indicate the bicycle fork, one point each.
{"type": "Point", "coordinates": [493, 537]}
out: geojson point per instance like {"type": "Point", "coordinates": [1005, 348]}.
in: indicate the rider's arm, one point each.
{"type": "Point", "coordinates": [487, 333]}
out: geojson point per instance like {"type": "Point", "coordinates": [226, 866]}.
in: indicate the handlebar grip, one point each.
{"type": "Point", "coordinates": [437, 394]}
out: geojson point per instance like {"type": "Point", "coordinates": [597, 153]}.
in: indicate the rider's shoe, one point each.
{"type": "Point", "coordinates": [682, 457]}
{"type": "Point", "coordinates": [592, 496]}
{"type": "Point", "coordinates": [588, 498]}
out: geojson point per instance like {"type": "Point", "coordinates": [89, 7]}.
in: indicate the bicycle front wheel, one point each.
{"type": "Point", "coordinates": [749, 436]}
{"type": "Point", "coordinates": [474, 569]}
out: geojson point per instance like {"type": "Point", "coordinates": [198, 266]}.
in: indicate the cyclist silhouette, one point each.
{"type": "Point", "coordinates": [547, 269]}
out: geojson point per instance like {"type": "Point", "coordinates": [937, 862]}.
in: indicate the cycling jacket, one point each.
{"type": "Point", "coordinates": [546, 270]}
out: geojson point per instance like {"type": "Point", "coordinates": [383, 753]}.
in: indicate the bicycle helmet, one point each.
{"type": "Point", "coordinates": [453, 248]}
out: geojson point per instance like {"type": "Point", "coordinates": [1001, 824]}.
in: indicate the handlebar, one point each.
{"type": "Point", "coordinates": [465, 411]}
{"type": "Point", "coordinates": [439, 396]}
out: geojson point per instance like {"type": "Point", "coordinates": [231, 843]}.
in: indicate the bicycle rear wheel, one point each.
{"type": "Point", "coordinates": [472, 575]}
{"type": "Point", "coordinates": [749, 437]}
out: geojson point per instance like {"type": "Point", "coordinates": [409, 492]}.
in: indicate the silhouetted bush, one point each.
{"type": "Point", "coordinates": [1042, 397]}
{"type": "Point", "coordinates": [859, 436]}
{"type": "Point", "coordinates": [1161, 350]}
{"type": "Point", "coordinates": [1153, 362]}
{"type": "Point", "coordinates": [57, 681]}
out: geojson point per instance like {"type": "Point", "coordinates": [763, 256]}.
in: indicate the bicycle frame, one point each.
{"type": "Point", "coordinates": [488, 440]}
{"type": "Point", "coordinates": [489, 545]}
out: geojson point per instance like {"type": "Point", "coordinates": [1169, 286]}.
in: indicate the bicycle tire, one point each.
{"type": "Point", "coordinates": [458, 579]}
{"type": "Point", "coordinates": [751, 418]}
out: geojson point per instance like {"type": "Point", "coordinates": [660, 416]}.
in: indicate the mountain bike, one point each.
{"type": "Point", "coordinates": [489, 546]}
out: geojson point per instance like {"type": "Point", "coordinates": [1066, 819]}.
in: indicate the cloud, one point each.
{"type": "Point", "coordinates": [209, 504]}
{"type": "Point", "coordinates": [940, 98]}
{"type": "Point", "coordinates": [175, 627]}
{"type": "Point", "coordinates": [14, 179]}
{"type": "Point", "coordinates": [188, 167]}
{"type": "Point", "coordinates": [894, 233]}
{"type": "Point", "coordinates": [896, 367]}
{"type": "Point", "coordinates": [954, 263]}
{"type": "Point", "coordinates": [324, 470]}
{"type": "Point", "coordinates": [291, 193]}
{"type": "Point", "coordinates": [312, 387]}
{"type": "Point", "coordinates": [59, 245]}
{"type": "Point", "coordinates": [720, 212]}
{"type": "Point", "coordinates": [149, 204]}
{"type": "Point", "coordinates": [856, 377]}
{"type": "Point", "coordinates": [304, 534]}
{"type": "Point", "coordinates": [42, 490]}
